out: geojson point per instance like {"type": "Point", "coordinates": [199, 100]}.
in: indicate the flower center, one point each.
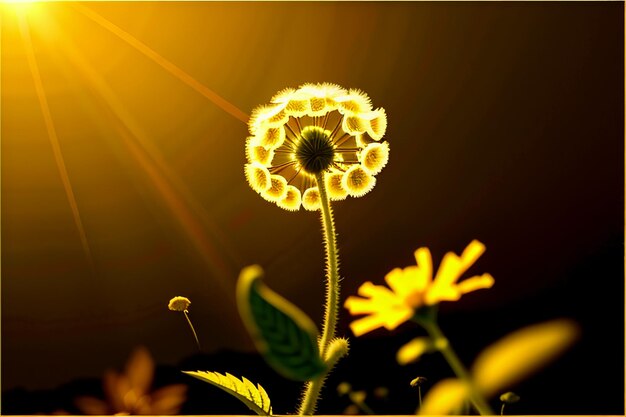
{"type": "Point", "coordinates": [314, 151]}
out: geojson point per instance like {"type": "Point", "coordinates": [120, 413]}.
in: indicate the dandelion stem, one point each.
{"type": "Point", "coordinates": [332, 267]}
{"type": "Point", "coordinates": [502, 410]}
{"type": "Point", "coordinates": [312, 389]}
{"type": "Point", "coordinates": [195, 336]}
{"type": "Point", "coordinates": [455, 363]}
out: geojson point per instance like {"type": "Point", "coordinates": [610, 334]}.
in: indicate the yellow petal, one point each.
{"type": "Point", "coordinates": [292, 199]}
{"type": "Point", "coordinates": [358, 305]}
{"type": "Point", "coordinates": [298, 107]}
{"type": "Point", "coordinates": [413, 350]}
{"type": "Point", "coordinates": [366, 324]}
{"type": "Point", "coordinates": [445, 397]}
{"type": "Point", "coordinates": [476, 283]}
{"type": "Point", "coordinates": [453, 266]}
{"type": "Point", "coordinates": [389, 319]}
{"type": "Point", "coordinates": [271, 137]}
{"type": "Point", "coordinates": [272, 115]}
{"type": "Point", "coordinates": [424, 261]}
{"type": "Point", "coordinates": [356, 101]}
{"type": "Point", "coordinates": [316, 97]}
{"type": "Point", "coordinates": [521, 353]}
{"type": "Point", "coordinates": [377, 125]}
{"type": "Point", "coordinates": [357, 181]}
{"type": "Point", "coordinates": [277, 190]}
{"type": "Point", "coordinates": [283, 96]}
{"type": "Point", "coordinates": [397, 282]}
{"type": "Point", "coordinates": [354, 124]}
{"type": "Point", "coordinates": [334, 188]}
{"type": "Point", "coordinates": [317, 106]}
{"type": "Point", "coordinates": [311, 199]}
{"type": "Point", "coordinates": [374, 157]}
{"type": "Point", "coordinates": [258, 153]}
{"type": "Point", "coordinates": [258, 177]}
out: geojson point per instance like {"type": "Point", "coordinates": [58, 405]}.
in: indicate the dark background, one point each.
{"type": "Point", "coordinates": [505, 125]}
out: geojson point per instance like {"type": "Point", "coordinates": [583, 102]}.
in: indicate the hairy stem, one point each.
{"type": "Point", "coordinates": [457, 366]}
{"type": "Point", "coordinates": [312, 388]}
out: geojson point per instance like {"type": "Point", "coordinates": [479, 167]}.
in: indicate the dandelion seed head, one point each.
{"type": "Point", "coordinates": [315, 131]}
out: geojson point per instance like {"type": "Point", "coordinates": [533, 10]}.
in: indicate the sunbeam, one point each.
{"type": "Point", "coordinates": [187, 212]}
{"type": "Point", "coordinates": [52, 135]}
{"type": "Point", "coordinates": [165, 64]}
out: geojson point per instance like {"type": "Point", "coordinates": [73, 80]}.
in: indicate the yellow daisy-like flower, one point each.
{"type": "Point", "coordinates": [413, 287]}
{"type": "Point", "coordinates": [315, 128]}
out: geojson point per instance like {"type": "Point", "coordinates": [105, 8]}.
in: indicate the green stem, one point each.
{"type": "Point", "coordinates": [332, 268]}
{"type": "Point", "coordinates": [312, 389]}
{"type": "Point", "coordinates": [502, 410]}
{"type": "Point", "coordinates": [442, 343]}
{"type": "Point", "coordinates": [338, 348]}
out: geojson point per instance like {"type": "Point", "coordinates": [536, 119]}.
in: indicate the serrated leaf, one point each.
{"type": "Point", "coordinates": [252, 396]}
{"type": "Point", "coordinates": [282, 333]}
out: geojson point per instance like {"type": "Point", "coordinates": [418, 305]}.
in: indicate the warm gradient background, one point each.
{"type": "Point", "coordinates": [505, 125]}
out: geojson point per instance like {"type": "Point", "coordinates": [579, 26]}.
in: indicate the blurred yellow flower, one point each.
{"type": "Point", "coordinates": [445, 397]}
{"type": "Point", "coordinates": [129, 392]}
{"type": "Point", "coordinates": [315, 128]}
{"type": "Point", "coordinates": [413, 287]}
{"type": "Point", "coordinates": [503, 364]}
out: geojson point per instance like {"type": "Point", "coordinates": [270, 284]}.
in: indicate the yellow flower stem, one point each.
{"type": "Point", "coordinates": [443, 345]}
{"type": "Point", "coordinates": [312, 389]}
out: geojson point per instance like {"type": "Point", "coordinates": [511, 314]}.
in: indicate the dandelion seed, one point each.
{"type": "Point", "coordinates": [317, 128]}
{"type": "Point", "coordinates": [182, 304]}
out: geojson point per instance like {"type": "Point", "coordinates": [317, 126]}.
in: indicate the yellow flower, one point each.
{"type": "Point", "coordinates": [315, 128]}
{"type": "Point", "coordinates": [413, 287]}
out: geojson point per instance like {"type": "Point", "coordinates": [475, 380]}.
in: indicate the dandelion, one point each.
{"type": "Point", "coordinates": [413, 287]}
{"type": "Point", "coordinates": [316, 133]}
{"type": "Point", "coordinates": [182, 304]}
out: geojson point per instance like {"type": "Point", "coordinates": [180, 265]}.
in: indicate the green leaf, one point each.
{"type": "Point", "coordinates": [282, 333]}
{"type": "Point", "coordinates": [255, 398]}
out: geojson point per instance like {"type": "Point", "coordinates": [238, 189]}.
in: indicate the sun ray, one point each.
{"type": "Point", "coordinates": [54, 140]}
{"type": "Point", "coordinates": [170, 67]}
{"type": "Point", "coordinates": [189, 214]}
